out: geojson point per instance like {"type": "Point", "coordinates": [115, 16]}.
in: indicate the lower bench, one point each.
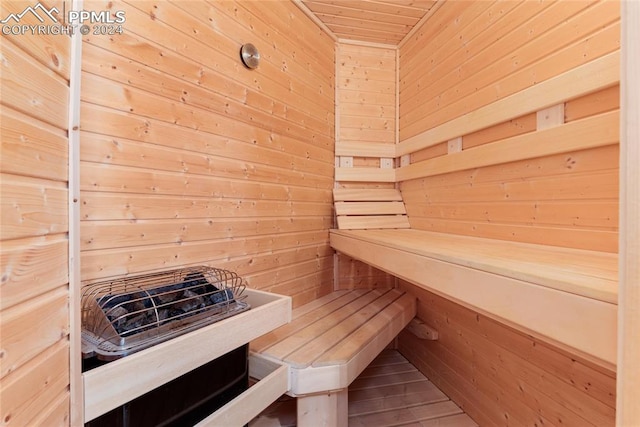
{"type": "Point", "coordinates": [567, 297]}
{"type": "Point", "coordinates": [329, 342]}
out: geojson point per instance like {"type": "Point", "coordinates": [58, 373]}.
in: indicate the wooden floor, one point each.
{"type": "Point", "coordinates": [390, 392]}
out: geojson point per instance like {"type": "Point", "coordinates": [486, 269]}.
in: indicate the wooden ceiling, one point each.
{"type": "Point", "coordinates": [377, 21]}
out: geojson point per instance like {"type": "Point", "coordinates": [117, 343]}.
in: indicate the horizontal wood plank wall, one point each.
{"type": "Point", "coordinates": [502, 377]}
{"type": "Point", "coordinates": [472, 54]}
{"type": "Point", "coordinates": [34, 289]}
{"type": "Point", "coordinates": [365, 138]}
{"type": "Point", "coordinates": [365, 115]}
{"type": "Point", "coordinates": [190, 158]}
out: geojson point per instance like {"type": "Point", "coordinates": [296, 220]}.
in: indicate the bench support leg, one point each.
{"type": "Point", "coordinates": [328, 409]}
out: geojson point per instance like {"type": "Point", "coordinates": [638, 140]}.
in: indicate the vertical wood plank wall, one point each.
{"type": "Point", "coordinates": [365, 118]}
{"type": "Point", "coordinates": [190, 158]}
{"type": "Point", "coordinates": [469, 55]}
{"type": "Point", "coordinates": [34, 287]}
{"type": "Point", "coordinates": [474, 53]}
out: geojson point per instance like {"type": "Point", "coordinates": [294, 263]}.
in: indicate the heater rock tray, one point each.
{"type": "Point", "coordinates": [128, 314]}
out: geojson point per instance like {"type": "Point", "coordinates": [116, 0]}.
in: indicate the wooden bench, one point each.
{"type": "Point", "coordinates": [567, 297]}
{"type": "Point", "coordinates": [564, 296]}
{"type": "Point", "coordinates": [329, 342]}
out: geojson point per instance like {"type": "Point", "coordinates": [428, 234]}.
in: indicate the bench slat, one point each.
{"type": "Point", "coordinates": [324, 337]}
{"type": "Point", "coordinates": [305, 315]}
{"type": "Point", "coordinates": [283, 349]}
{"type": "Point", "coordinates": [390, 318]}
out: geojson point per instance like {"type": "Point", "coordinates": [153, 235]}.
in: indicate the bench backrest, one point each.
{"type": "Point", "coordinates": [359, 209]}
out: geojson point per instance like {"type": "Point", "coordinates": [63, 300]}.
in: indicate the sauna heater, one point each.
{"type": "Point", "coordinates": [125, 315]}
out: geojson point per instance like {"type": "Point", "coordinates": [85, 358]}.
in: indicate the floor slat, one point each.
{"type": "Point", "coordinates": [389, 392]}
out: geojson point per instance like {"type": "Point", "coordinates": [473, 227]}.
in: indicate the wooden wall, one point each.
{"type": "Point", "coordinates": [474, 53]}
{"type": "Point", "coordinates": [366, 105]}
{"type": "Point", "coordinates": [502, 377]}
{"type": "Point", "coordinates": [365, 114]}
{"type": "Point", "coordinates": [189, 158]}
{"type": "Point", "coordinates": [470, 55]}
{"type": "Point", "coordinates": [34, 286]}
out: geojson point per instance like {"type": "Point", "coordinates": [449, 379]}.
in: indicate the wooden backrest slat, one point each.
{"type": "Point", "coordinates": [359, 209]}
{"type": "Point", "coordinates": [366, 222]}
{"type": "Point", "coordinates": [370, 208]}
{"type": "Point", "coordinates": [588, 78]}
{"type": "Point", "coordinates": [366, 195]}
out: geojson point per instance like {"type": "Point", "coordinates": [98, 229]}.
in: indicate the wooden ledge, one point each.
{"type": "Point", "coordinates": [562, 296]}
{"type": "Point", "coordinates": [587, 273]}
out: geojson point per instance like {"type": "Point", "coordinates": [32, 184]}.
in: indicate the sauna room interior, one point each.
{"type": "Point", "coordinates": [431, 207]}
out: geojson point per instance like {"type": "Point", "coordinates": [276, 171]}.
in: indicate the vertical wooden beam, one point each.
{"type": "Point", "coordinates": [628, 375]}
{"type": "Point", "coordinates": [328, 409]}
{"type": "Point", "coordinates": [398, 161]}
{"type": "Point", "coordinates": [76, 397]}
{"type": "Point", "coordinates": [336, 105]}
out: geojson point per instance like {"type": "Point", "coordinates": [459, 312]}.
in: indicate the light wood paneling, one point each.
{"type": "Point", "coordinates": [34, 290]}
{"type": "Point", "coordinates": [503, 377]}
{"type": "Point", "coordinates": [189, 158]}
{"type": "Point", "coordinates": [628, 412]}
{"type": "Point", "coordinates": [565, 199]}
{"type": "Point", "coordinates": [513, 61]}
{"type": "Point", "coordinates": [370, 21]}
{"type": "Point", "coordinates": [51, 50]}
{"type": "Point", "coordinates": [365, 113]}
{"type": "Point", "coordinates": [365, 141]}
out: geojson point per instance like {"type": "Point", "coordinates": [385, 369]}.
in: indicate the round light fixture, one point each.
{"type": "Point", "coordinates": [250, 56]}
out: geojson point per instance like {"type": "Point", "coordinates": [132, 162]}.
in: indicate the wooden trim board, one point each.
{"type": "Point", "coordinates": [360, 174]}
{"type": "Point", "coordinates": [582, 134]}
{"type": "Point", "coordinates": [75, 341]}
{"type": "Point", "coordinates": [254, 400]}
{"type": "Point", "coordinates": [628, 385]}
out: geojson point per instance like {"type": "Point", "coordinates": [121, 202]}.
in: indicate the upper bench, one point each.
{"type": "Point", "coordinates": [564, 296]}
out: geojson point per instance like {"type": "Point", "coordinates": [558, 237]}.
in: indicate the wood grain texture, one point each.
{"type": "Point", "coordinates": [474, 85]}
{"type": "Point", "coordinates": [189, 158]}
{"type": "Point", "coordinates": [331, 340]}
{"type": "Point", "coordinates": [495, 286]}
{"type": "Point", "coordinates": [51, 50]}
{"type": "Point", "coordinates": [365, 115]}
{"type": "Point", "coordinates": [369, 21]}
{"type": "Point", "coordinates": [34, 291]}
{"type": "Point", "coordinates": [477, 362]}
{"type": "Point", "coordinates": [460, 80]}
{"type": "Point", "coordinates": [628, 412]}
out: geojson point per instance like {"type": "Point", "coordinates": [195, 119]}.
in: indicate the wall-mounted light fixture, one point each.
{"type": "Point", "coordinates": [250, 56]}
